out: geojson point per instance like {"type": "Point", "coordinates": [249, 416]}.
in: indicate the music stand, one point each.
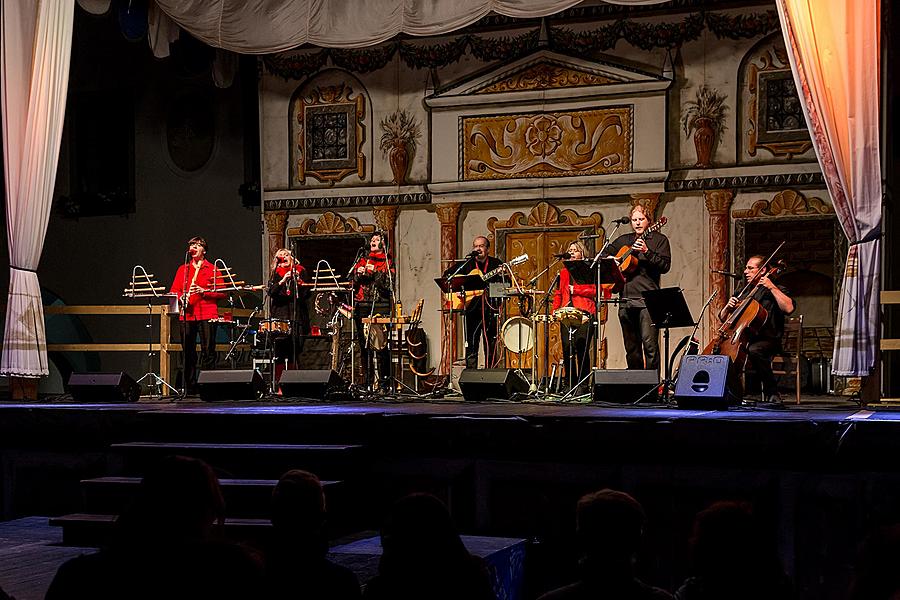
{"type": "Point", "coordinates": [143, 285]}
{"type": "Point", "coordinates": [667, 309]}
{"type": "Point", "coordinates": [458, 284]}
{"type": "Point", "coordinates": [601, 271]}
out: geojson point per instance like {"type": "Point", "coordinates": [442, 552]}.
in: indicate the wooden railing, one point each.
{"type": "Point", "coordinates": [163, 345]}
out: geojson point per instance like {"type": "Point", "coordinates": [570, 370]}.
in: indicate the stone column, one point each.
{"type": "Point", "coordinates": [718, 203]}
{"type": "Point", "coordinates": [276, 222]}
{"type": "Point", "coordinates": [448, 215]}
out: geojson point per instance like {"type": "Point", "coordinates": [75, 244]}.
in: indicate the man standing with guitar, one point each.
{"type": "Point", "coordinates": [481, 314]}
{"type": "Point", "coordinates": [194, 283]}
{"type": "Point", "coordinates": [643, 256]}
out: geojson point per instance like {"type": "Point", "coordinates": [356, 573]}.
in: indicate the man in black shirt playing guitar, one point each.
{"type": "Point", "coordinates": [481, 313]}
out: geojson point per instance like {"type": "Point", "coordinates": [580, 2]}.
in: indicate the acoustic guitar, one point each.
{"type": "Point", "coordinates": [462, 300]}
{"type": "Point", "coordinates": [627, 261]}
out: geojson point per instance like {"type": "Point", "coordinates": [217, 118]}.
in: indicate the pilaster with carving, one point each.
{"type": "Point", "coordinates": [650, 202]}
{"type": "Point", "coordinates": [386, 219]}
{"type": "Point", "coordinates": [718, 203]}
{"type": "Point", "coordinates": [448, 215]}
{"type": "Point", "coordinates": [276, 222]}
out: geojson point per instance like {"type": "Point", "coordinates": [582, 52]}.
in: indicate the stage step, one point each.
{"type": "Point", "coordinates": [327, 461]}
{"type": "Point", "coordinates": [95, 530]}
{"type": "Point", "coordinates": [243, 497]}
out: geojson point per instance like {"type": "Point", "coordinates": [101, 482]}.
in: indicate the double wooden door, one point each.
{"type": "Point", "coordinates": [540, 245]}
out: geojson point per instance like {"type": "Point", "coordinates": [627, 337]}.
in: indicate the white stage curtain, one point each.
{"type": "Point", "coordinates": [265, 26]}
{"type": "Point", "coordinates": [835, 57]}
{"type": "Point", "coordinates": [35, 53]}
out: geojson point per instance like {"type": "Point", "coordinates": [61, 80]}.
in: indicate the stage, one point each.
{"type": "Point", "coordinates": [822, 473]}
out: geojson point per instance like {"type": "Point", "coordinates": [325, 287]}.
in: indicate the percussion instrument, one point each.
{"type": "Point", "coordinates": [274, 326]}
{"type": "Point", "coordinates": [571, 316]}
{"type": "Point", "coordinates": [518, 334]}
{"type": "Point", "coordinates": [542, 318]}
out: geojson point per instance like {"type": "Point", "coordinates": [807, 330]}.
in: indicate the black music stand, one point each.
{"type": "Point", "coordinates": [667, 309]}
{"type": "Point", "coordinates": [460, 284]}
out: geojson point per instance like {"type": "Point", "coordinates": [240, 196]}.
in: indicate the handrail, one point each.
{"type": "Point", "coordinates": [890, 297]}
{"type": "Point", "coordinates": [163, 346]}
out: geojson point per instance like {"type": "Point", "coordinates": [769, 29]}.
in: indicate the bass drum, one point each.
{"type": "Point", "coordinates": [518, 334]}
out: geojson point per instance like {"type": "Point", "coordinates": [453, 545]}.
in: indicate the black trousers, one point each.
{"type": "Point", "coordinates": [641, 338]}
{"type": "Point", "coordinates": [581, 343]}
{"type": "Point", "coordinates": [368, 356]}
{"type": "Point", "coordinates": [481, 326]}
{"type": "Point", "coordinates": [760, 353]}
{"type": "Point", "coordinates": [189, 331]}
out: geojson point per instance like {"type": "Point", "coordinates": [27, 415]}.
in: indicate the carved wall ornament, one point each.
{"type": "Point", "coordinates": [775, 115]}
{"type": "Point", "coordinates": [399, 138]}
{"type": "Point", "coordinates": [557, 144]}
{"type": "Point", "coordinates": [545, 214]}
{"type": "Point", "coordinates": [328, 134]}
{"type": "Point", "coordinates": [385, 217]}
{"type": "Point", "coordinates": [545, 76]}
{"type": "Point", "coordinates": [705, 118]}
{"type": "Point", "coordinates": [330, 223]}
{"type": "Point", "coordinates": [650, 203]}
{"type": "Point", "coordinates": [786, 202]}
{"type": "Point", "coordinates": [275, 221]}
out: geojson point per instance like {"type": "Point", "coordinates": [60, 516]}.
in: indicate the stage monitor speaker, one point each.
{"type": "Point", "coordinates": [309, 383]}
{"type": "Point", "coordinates": [485, 384]}
{"type": "Point", "coordinates": [238, 384]}
{"type": "Point", "coordinates": [703, 382]}
{"type": "Point", "coordinates": [103, 387]}
{"type": "Point", "coordinates": [625, 386]}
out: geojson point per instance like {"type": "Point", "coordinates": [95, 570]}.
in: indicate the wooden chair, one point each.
{"type": "Point", "coordinates": [788, 362]}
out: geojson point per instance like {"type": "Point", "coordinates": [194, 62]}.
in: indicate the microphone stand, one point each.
{"type": "Point", "coordinates": [598, 301]}
{"type": "Point", "coordinates": [546, 302]}
{"type": "Point", "coordinates": [392, 314]}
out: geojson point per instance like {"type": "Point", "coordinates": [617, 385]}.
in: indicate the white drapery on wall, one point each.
{"type": "Point", "coordinates": [835, 57]}
{"type": "Point", "coordinates": [35, 53]}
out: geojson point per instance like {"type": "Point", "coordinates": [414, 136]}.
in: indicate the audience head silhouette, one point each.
{"type": "Point", "coordinates": [609, 528]}
{"type": "Point", "coordinates": [876, 576]}
{"type": "Point", "coordinates": [424, 556]}
{"type": "Point", "coordinates": [298, 505]}
{"type": "Point", "coordinates": [178, 500]}
{"type": "Point", "coordinates": [732, 557]}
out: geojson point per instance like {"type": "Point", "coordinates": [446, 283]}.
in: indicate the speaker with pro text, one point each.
{"type": "Point", "coordinates": [309, 383]}
{"type": "Point", "coordinates": [625, 386]}
{"type": "Point", "coordinates": [103, 387]}
{"type": "Point", "coordinates": [703, 382]}
{"type": "Point", "coordinates": [230, 384]}
{"type": "Point", "coordinates": [488, 384]}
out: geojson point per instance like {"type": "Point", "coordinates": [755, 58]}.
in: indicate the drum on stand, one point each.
{"type": "Point", "coordinates": [570, 316]}
{"type": "Point", "coordinates": [273, 326]}
{"type": "Point", "coordinates": [518, 334]}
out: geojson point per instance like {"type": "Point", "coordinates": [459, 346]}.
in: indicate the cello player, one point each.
{"type": "Point", "coordinates": [766, 343]}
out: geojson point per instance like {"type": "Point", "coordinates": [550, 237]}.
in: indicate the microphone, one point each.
{"type": "Point", "coordinates": [589, 237]}
{"type": "Point", "coordinates": [622, 220]}
{"type": "Point", "coordinates": [727, 274]}
{"type": "Point", "coordinates": [472, 254]}
{"type": "Point", "coordinates": [563, 255]}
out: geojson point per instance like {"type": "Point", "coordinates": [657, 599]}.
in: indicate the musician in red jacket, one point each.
{"type": "Point", "coordinates": [372, 275]}
{"type": "Point", "coordinates": [287, 309]}
{"type": "Point", "coordinates": [195, 287]}
{"type": "Point", "coordinates": [581, 296]}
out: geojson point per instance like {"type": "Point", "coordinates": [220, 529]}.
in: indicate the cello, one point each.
{"type": "Point", "coordinates": [731, 339]}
